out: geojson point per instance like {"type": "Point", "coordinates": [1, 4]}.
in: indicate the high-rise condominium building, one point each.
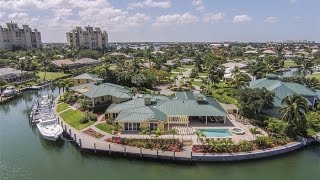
{"type": "Point", "coordinates": [12, 36]}
{"type": "Point", "coordinates": [92, 38]}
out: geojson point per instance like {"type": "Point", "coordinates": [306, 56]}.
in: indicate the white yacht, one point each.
{"type": "Point", "coordinates": [49, 128]}
{"type": "Point", "coordinates": [10, 91]}
{"type": "Point", "coordinates": [46, 100]}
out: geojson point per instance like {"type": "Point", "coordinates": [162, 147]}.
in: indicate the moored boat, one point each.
{"type": "Point", "coordinates": [49, 128]}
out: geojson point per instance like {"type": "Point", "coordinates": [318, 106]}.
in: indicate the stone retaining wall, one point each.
{"type": "Point", "coordinates": [249, 155]}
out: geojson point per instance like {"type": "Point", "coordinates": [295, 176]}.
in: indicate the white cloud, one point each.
{"type": "Point", "coordinates": [17, 15]}
{"type": "Point", "coordinates": [64, 12]}
{"type": "Point", "coordinates": [271, 20]}
{"type": "Point", "coordinates": [150, 3]}
{"type": "Point", "coordinates": [212, 18]}
{"type": "Point", "coordinates": [2, 14]}
{"type": "Point", "coordinates": [197, 2]}
{"type": "Point", "coordinates": [241, 18]}
{"type": "Point", "coordinates": [175, 19]}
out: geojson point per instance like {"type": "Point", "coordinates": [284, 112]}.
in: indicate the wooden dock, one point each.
{"type": "Point", "coordinates": [4, 99]}
{"type": "Point", "coordinates": [90, 144]}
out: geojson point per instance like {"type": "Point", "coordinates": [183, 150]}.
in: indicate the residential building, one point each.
{"type": "Point", "coordinates": [103, 94]}
{"type": "Point", "coordinates": [89, 37]}
{"type": "Point", "coordinates": [75, 64]}
{"type": "Point", "coordinates": [11, 75]}
{"type": "Point", "coordinates": [12, 36]}
{"type": "Point", "coordinates": [86, 78]}
{"type": "Point", "coordinates": [153, 112]}
{"type": "Point", "coordinates": [283, 89]}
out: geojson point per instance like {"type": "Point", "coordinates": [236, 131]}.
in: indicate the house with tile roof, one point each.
{"type": "Point", "coordinates": [152, 112]}
{"type": "Point", "coordinates": [283, 89]}
{"type": "Point", "coordinates": [103, 94]}
{"type": "Point", "coordinates": [86, 78]}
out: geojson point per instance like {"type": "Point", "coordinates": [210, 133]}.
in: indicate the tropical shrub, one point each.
{"type": "Point", "coordinates": [88, 116]}
{"type": "Point", "coordinates": [246, 146]}
{"type": "Point", "coordinates": [313, 119]}
{"type": "Point", "coordinates": [161, 144]}
{"type": "Point", "coordinates": [264, 142]}
{"type": "Point", "coordinates": [276, 126]}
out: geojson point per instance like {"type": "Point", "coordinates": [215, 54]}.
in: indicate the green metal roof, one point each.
{"type": "Point", "coordinates": [92, 90]}
{"type": "Point", "coordinates": [135, 110]}
{"type": "Point", "coordinates": [192, 108]}
{"type": "Point", "coordinates": [134, 103]}
{"type": "Point", "coordinates": [88, 76]}
{"type": "Point", "coordinates": [282, 89]}
{"type": "Point", "coordinates": [141, 114]}
{"type": "Point", "coordinates": [184, 96]}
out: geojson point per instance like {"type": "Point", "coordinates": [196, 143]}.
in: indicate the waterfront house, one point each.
{"type": "Point", "coordinates": [283, 89]}
{"type": "Point", "coordinates": [86, 78]}
{"type": "Point", "coordinates": [103, 94]}
{"type": "Point", "coordinates": [64, 62]}
{"type": "Point", "coordinates": [87, 62]}
{"type": "Point", "coordinates": [75, 64]}
{"type": "Point", "coordinates": [152, 112]}
{"type": "Point", "coordinates": [12, 75]}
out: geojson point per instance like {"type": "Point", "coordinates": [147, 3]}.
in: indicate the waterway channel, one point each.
{"type": "Point", "coordinates": [25, 155]}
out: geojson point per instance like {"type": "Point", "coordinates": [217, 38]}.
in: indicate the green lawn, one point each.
{"type": "Point", "coordinates": [225, 94]}
{"type": "Point", "coordinates": [53, 75]}
{"type": "Point", "coordinates": [289, 64]}
{"type": "Point", "coordinates": [188, 66]}
{"type": "Point", "coordinates": [105, 127]}
{"type": "Point", "coordinates": [315, 75]}
{"type": "Point", "coordinates": [198, 83]}
{"type": "Point", "coordinates": [202, 74]}
{"type": "Point", "coordinates": [178, 70]}
{"type": "Point", "coordinates": [72, 117]}
{"type": "Point", "coordinates": [62, 106]}
{"type": "Point", "coordinates": [173, 75]}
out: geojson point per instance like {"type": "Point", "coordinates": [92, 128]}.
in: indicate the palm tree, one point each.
{"type": "Point", "coordinates": [61, 84]}
{"type": "Point", "coordinates": [312, 82]}
{"type": "Point", "coordinates": [240, 80]}
{"type": "Point", "coordinates": [294, 108]}
{"type": "Point", "coordinates": [200, 134]}
{"type": "Point", "coordinates": [306, 67]}
{"type": "Point", "coordinates": [174, 132]}
{"type": "Point", "coordinates": [254, 131]}
{"type": "Point", "coordinates": [158, 132]}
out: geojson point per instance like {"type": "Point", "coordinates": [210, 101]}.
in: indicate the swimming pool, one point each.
{"type": "Point", "coordinates": [217, 133]}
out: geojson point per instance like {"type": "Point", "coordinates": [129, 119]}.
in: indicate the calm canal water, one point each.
{"type": "Point", "coordinates": [25, 155]}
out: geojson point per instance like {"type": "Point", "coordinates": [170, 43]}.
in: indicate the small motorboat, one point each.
{"type": "Point", "coordinates": [49, 128]}
{"type": "Point", "coordinates": [10, 91]}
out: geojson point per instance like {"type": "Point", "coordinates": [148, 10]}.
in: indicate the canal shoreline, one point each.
{"type": "Point", "coordinates": [91, 145]}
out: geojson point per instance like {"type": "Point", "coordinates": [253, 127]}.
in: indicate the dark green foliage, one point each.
{"type": "Point", "coordinates": [254, 101]}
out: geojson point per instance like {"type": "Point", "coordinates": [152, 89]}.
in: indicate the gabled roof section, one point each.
{"type": "Point", "coordinates": [282, 89]}
{"type": "Point", "coordinates": [184, 96]}
{"type": "Point", "coordinates": [88, 76]}
{"type": "Point", "coordinates": [141, 114]}
{"type": "Point", "coordinates": [192, 108]}
{"type": "Point", "coordinates": [134, 103]}
{"type": "Point", "coordinates": [92, 90]}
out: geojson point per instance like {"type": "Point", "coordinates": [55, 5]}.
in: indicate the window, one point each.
{"type": "Point", "coordinates": [131, 126]}
{"type": "Point", "coordinates": [87, 80]}
{"type": "Point", "coordinates": [114, 115]}
{"type": "Point", "coordinates": [102, 99]}
{"type": "Point", "coordinates": [78, 80]}
{"type": "Point", "coordinates": [153, 126]}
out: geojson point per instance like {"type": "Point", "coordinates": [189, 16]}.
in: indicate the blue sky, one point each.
{"type": "Point", "coordinates": [171, 20]}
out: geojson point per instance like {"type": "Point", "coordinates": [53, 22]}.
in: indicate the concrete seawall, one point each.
{"type": "Point", "coordinates": [248, 155]}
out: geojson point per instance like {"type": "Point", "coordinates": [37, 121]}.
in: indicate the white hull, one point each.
{"type": "Point", "coordinates": [51, 132]}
